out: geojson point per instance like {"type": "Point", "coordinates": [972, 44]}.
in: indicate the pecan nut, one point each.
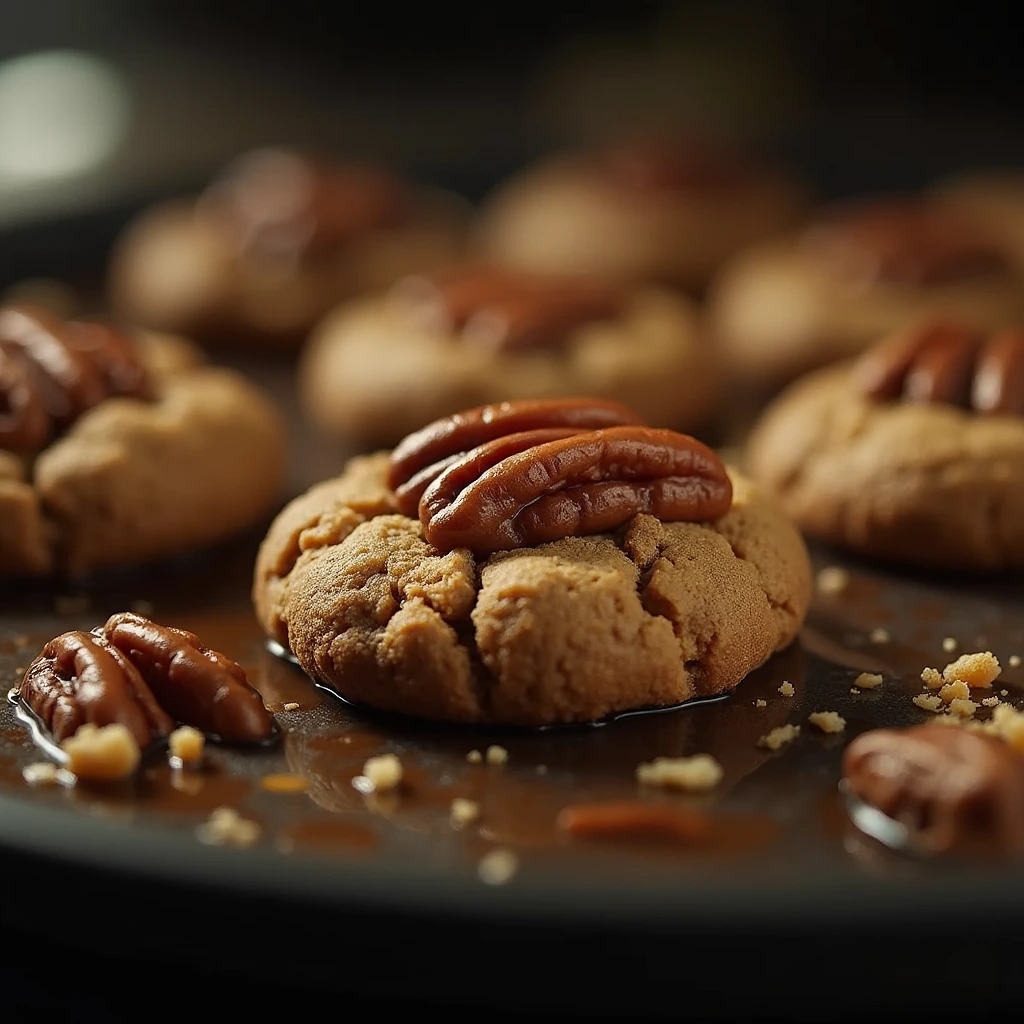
{"type": "Point", "coordinates": [420, 458]}
{"type": "Point", "coordinates": [905, 243]}
{"type": "Point", "coordinates": [284, 204]}
{"type": "Point", "coordinates": [509, 310]}
{"type": "Point", "coordinates": [948, 363]}
{"type": "Point", "coordinates": [948, 786]}
{"type": "Point", "coordinates": [195, 685]}
{"type": "Point", "coordinates": [52, 371]}
{"type": "Point", "coordinates": [527, 489]}
{"type": "Point", "coordinates": [81, 678]}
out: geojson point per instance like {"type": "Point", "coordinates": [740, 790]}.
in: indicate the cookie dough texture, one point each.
{"type": "Point", "coordinates": [372, 376]}
{"type": "Point", "coordinates": [132, 481]}
{"type": "Point", "coordinates": [778, 310]}
{"type": "Point", "coordinates": [568, 631]}
{"type": "Point", "coordinates": [930, 485]}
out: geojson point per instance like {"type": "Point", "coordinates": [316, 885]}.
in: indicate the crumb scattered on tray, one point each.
{"type": "Point", "coordinates": [497, 867]}
{"type": "Point", "coordinates": [879, 635]}
{"type": "Point", "coordinates": [991, 702]}
{"type": "Point", "coordinates": [949, 644]}
{"type": "Point", "coordinates": [962, 707]}
{"type": "Point", "coordinates": [832, 580]}
{"type": "Point", "coordinates": [474, 757]}
{"type": "Point", "coordinates": [779, 737]}
{"type": "Point", "coordinates": [932, 678]}
{"type": "Point", "coordinates": [186, 744]}
{"type": "Point", "coordinates": [379, 773]}
{"type": "Point", "coordinates": [698, 772]}
{"type": "Point", "coordinates": [827, 721]}
{"type": "Point", "coordinates": [42, 773]}
{"type": "Point", "coordinates": [1014, 661]}
{"type": "Point", "coordinates": [787, 689]}
{"type": "Point", "coordinates": [760, 703]}
{"type": "Point", "coordinates": [496, 754]}
{"type": "Point", "coordinates": [954, 691]}
{"type": "Point", "coordinates": [226, 827]}
{"type": "Point", "coordinates": [292, 705]}
{"type": "Point", "coordinates": [101, 753]}
{"type": "Point", "coordinates": [928, 701]}
{"type": "Point", "coordinates": [1004, 693]}
{"type": "Point", "coordinates": [464, 812]}
{"type": "Point", "coordinates": [978, 670]}
{"type": "Point", "coordinates": [868, 681]}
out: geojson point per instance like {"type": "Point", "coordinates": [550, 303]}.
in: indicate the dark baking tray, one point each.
{"type": "Point", "coordinates": [785, 909]}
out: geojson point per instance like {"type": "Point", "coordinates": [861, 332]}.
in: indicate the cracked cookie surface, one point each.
{"type": "Point", "coordinates": [922, 484]}
{"type": "Point", "coordinates": [571, 630]}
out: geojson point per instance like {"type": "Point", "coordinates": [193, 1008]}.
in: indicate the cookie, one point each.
{"type": "Point", "coordinates": [117, 449]}
{"type": "Point", "coordinates": [547, 567]}
{"type": "Point", "coordinates": [273, 243]}
{"type": "Point", "coordinates": [864, 269]}
{"type": "Point", "coordinates": [379, 367]}
{"type": "Point", "coordinates": [913, 454]}
{"type": "Point", "coordinates": [659, 211]}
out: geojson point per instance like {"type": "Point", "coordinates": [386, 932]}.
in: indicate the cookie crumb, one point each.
{"type": "Point", "coordinates": [954, 691]}
{"type": "Point", "coordinates": [931, 677]}
{"type": "Point", "coordinates": [143, 607]}
{"type": "Point", "coordinates": [103, 753]}
{"type": "Point", "coordinates": [832, 580]}
{"type": "Point", "coordinates": [949, 645]}
{"type": "Point", "coordinates": [827, 721]}
{"type": "Point", "coordinates": [787, 689]}
{"type": "Point", "coordinates": [379, 773]}
{"type": "Point", "coordinates": [542, 769]}
{"type": "Point", "coordinates": [71, 604]}
{"type": "Point", "coordinates": [1014, 661]}
{"type": "Point", "coordinates": [474, 757]}
{"type": "Point", "coordinates": [1004, 693]}
{"type": "Point", "coordinates": [760, 703]}
{"type": "Point", "coordinates": [699, 772]}
{"type": "Point", "coordinates": [868, 681]}
{"type": "Point", "coordinates": [497, 867]}
{"type": "Point", "coordinates": [464, 812]}
{"type": "Point", "coordinates": [978, 670]}
{"type": "Point", "coordinates": [496, 754]}
{"type": "Point", "coordinates": [42, 773]}
{"type": "Point", "coordinates": [928, 701]}
{"type": "Point", "coordinates": [991, 702]}
{"type": "Point", "coordinates": [1008, 723]}
{"type": "Point", "coordinates": [292, 705]}
{"type": "Point", "coordinates": [962, 707]}
{"type": "Point", "coordinates": [186, 744]}
{"type": "Point", "coordinates": [879, 635]}
{"type": "Point", "coordinates": [779, 737]}
{"type": "Point", "coordinates": [226, 827]}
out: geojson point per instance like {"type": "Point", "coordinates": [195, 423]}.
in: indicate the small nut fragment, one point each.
{"type": "Point", "coordinates": [928, 701]}
{"type": "Point", "coordinates": [616, 818]}
{"type": "Point", "coordinates": [868, 681]}
{"type": "Point", "coordinates": [186, 744]}
{"type": "Point", "coordinates": [779, 737]}
{"type": "Point", "coordinates": [698, 772]}
{"type": "Point", "coordinates": [978, 671]}
{"type": "Point", "coordinates": [497, 867]}
{"type": "Point", "coordinates": [226, 827]}
{"type": "Point", "coordinates": [787, 689]}
{"type": "Point", "coordinates": [102, 753]}
{"type": "Point", "coordinates": [496, 754]}
{"type": "Point", "coordinates": [464, 812]}
{"type": "Point", "coordinates": [832, 580]}
{"type": "Point", "coordinates": [383, 772]}
{"type": "Point", "coordinates": [827, 721]}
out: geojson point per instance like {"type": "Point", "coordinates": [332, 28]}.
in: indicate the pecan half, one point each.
{"type": "Point", "coordinates": [905, 243]}
{"type": "Point", "coordinates": [197, 686]}
{"type": "Point", "coordinates": [949, 786]}
{"type": "Point", "coordinates": [81, 678]}
{"type": "Point", "coordinates": [421, 457]}
{"type": "Point", "coordinates": [281, 203]}
{"type": "Point", "coordinates": [508, 310]}
{"type": "Point", "coordinates": [52, 371]}
{"type": "Point", "coordinates": [948, 363]}
{"type": "Point", "coordinates": [527, 489]}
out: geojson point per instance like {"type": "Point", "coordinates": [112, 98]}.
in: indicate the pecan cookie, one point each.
{"type": "Point", "coordinates": [792, 305]}
{"type": "Point", "coordinates": [118, 449]}
{"type": "Point", "coordinates": [641, 210]}
{"type": "Point", "coordinates": [379, 367]}
{"type": "Point", "coordinates": [533, 563]}
{"type": "Point", "coordinates": [273, 243]}
{"type": "Point", "coordinates": [914, 453]}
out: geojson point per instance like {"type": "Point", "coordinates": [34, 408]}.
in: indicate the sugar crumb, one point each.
{"type": "Point", "coordinates": [928, 701]}
{"type": "Point", "coordinates": [186, 744]}
{"type": "Point", "coordinates": [1004, 693]}
{"type": "Point", "coordinates": [497, 867]}
{"type": "Point", "coordinates": [978, 670]}
{"type": "Point", "coordinates": [991, 702]}
{"type": "Point", "coordinates": [827, 721]}
{"type": "Point", "coordinates": [779, 737]}
{"type": "Point", "coordinates": [698, 772]}
{"type": "Point", "coordinates": [957, 690]}
{"type": "Point", "coordinates": [932, 678]}
{"type": "Point", "coordinates": [464, 812]}
{"type": "Point", "coordinates": [42, 773]}
{"type": "Point", "coordinates": [226, 827]}
{"type": "Point", "coordinates": [949, 644]}
{"type": "Point", "coordinates": [868, 681]}
{"type": "Point", "coordinates": [102, 753]}
{"type": "Point", "coordinates": [474, 757]}
{"type": "Point", "coordinates": [292, 705]}
{"type": "Point", "coordinates": [832, 580]}
{"type": "Point", "coordinates": [496, 754]}
{"type": "Point", "coordinates": [379, 773]}
{"type": "Point", "coordinates": [787, 689]}
{"type": "Point", "coordinates": [962, 707]}
{"type": "Point", "coordinates": [760, 703]}
{"type": "Point", "coordinates": [879, 635]}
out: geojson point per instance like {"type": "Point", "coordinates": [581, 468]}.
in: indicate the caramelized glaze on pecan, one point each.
{"type": "Point", "coordinates": [197, 686]}
{"type": "Point", "coordinates": [81, 678]}
{"type": "Point", "coordinates": [528, 489]}
{"type": "Point", "coordinates": [905, 243]}
{"type": "Point", "coordinates": [281, 203]}
{"type": "Point", "coordinates": [948, 363]}
{"type": "Point", "coordinates": [949, 786]}
{"type": "Point", "coordinates": [52, 371]}
{"type": "Point", "coordinates": [421, 457]}
{"type": "Point", "coordinates": [508, 310]}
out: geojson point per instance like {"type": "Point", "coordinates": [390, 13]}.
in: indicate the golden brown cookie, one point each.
{"type": "Point", "coordinates": [864, 269]}
{"type": "Point", "coordinates": [914, 454]}
{"type": "Point", "coordinates": [117, 450]}
{"type": "Point", "coordinates": [645, 613]}
{"type": "Point", "coordinates": [273, 243]}
{"type": "Point", "coordinates": [379, 367]}
{"type": "Point", "coordinates": [641, 210]}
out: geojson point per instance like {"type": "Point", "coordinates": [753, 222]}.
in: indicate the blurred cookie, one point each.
{"type": "Point", "coordinates": [118, 449]}
{"type": "Point", "coordinates": [379, 367]}
{"type": "Point", "coordinates": [273, 243]}
{"type": "Point", "coordinates": [659, 211]}
{"type": "Point", "coordinates": [862, 270]}
{"type": "Point", "coordinates": [914, 453]}
{"type": "Point", "coordinates": [533, 563]}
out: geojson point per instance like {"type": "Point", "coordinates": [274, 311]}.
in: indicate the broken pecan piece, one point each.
{"type": "Point", "coordinates": [197, 686]}
{"type": "Point", "coordinates": [948, 363]}
{"type": "Point", "coordinates": [528, 489]}
{"type": "Point", "coordinates": [505, 309]}
{"type": "Point", "coordinates": [950, 787]}
{"type": "Point", "coordinates": [420, 458]}
{"type": "Point", "coordinates": [80, 678]}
